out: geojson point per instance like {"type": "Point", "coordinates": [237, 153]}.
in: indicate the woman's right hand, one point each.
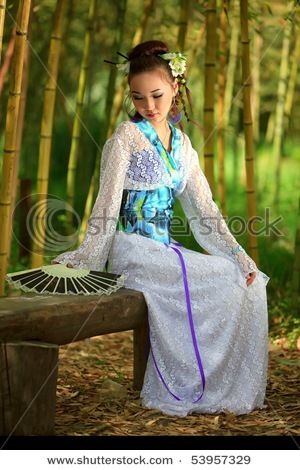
{"type": "Point", "coordinates": [69, 265]}
{"type": "Point", "coordinates": [250, 278]}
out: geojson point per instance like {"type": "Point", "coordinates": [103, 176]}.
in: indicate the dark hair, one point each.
{"type": "Point", "coordinates": [144, 58]}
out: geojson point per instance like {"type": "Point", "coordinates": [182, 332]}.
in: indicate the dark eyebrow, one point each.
{"type": "Point", "coordinates": [153, 91]}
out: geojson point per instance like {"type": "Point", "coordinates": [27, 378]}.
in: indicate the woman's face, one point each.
{"type": "Point", "coordinates": [152, 95]}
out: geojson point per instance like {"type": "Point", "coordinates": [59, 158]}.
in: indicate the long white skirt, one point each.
{"type": "Point", "coordinates": [229, 321]}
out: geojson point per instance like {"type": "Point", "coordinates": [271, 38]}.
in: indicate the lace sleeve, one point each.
{"type": "Point", "coordinates": [94, 249]}
{"type": "Point", "coordinates": [205, 219]}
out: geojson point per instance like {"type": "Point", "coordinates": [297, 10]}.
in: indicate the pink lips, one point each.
{"type": "Point", "coordinates": [151, 115]}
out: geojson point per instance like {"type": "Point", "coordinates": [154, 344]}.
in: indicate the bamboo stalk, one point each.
{"type": "Point", "coordinates": [293, 80]}
{"type": "Point", "coordinates": [11, 134]}
{"type": "Point", "coordinates": [141, 29]}
{"type": "Point", "coordinates": [231, 98]}
{"type": "Point", "coordinates": [184, 15]}
{"type": "Point", "coordinates": [20, 125]}
{"type": "Point", "coordinates": [256, 54]}
{"type": "Point", "coordinates": [209, 92]}
{"type": "Point", "coordinates": [280, 104]}
{"type": "Point", "coordinates": [77, 126]}
{"type": "Point", "coordinates": [248, 127]}
{"type": "Point", "coordinates": [232, 62]}
{"type": "Point", "coordinates": [221, 106]}
{"type": "Point", "coordinates": [2, 21]}
{"type": "Point", "coordinates": [195, 48]}
{"type": "Point", "coordinates": [7, 59]}
{"type": "Point", "coordinates": [270, 128]}
{"type": "Point", "coordinates": [46, 134]}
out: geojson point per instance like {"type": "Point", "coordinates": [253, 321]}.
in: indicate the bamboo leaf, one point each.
{"type": "Point", "coordinates": [267, 5]}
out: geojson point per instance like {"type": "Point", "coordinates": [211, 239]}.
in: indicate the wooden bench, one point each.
{"type": "Point", "coordinates": [32, 327]}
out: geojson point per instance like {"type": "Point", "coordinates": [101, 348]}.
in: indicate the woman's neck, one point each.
{"type": "Point", "coordinates": [164, 134]}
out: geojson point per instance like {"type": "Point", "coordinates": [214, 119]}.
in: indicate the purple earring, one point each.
{"type": "Point", "coordinates": [174, 116]}
{"type": "Point", "coordinates": [174, 119]}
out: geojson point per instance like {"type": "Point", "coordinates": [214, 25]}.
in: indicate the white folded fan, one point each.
{"type": "Point", "coordinates": [60, 279]}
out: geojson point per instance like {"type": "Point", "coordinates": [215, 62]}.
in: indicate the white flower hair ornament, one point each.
{"type": "Point", "coordinates": [125, 67]}
{"type": "Point", "coordinates": [177, 62]}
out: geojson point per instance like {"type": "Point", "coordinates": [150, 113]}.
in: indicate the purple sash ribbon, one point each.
{"type": "Point", "coordinates": [190, 316]}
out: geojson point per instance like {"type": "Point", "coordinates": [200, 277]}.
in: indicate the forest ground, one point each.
{"type": "Point", "coordinates": [89, 404]}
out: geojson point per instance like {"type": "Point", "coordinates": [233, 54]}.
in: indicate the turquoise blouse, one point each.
{"type": "Point", "coordinates": [149, 212]}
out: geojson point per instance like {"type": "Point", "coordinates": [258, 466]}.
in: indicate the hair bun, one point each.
{"type": "Point", "coordinates": [148, 48]}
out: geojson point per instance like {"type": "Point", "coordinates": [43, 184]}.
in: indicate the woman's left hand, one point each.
{"type": "Point", "coordinates": [250, 278]}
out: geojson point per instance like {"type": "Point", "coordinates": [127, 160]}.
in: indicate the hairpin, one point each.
{"type": "Point", "coordinates": [124, 67]}
{"type": "Point", "coordinates": [122, 55]}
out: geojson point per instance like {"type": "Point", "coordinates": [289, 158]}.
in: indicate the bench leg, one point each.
{"type": "Point", "coordinates": [28, 377]}
{"type": "Point", "coordinates": [141, 351]}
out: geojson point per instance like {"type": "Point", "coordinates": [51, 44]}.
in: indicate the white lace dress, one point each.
{"type": "Point", "coordinates": [208, 330]}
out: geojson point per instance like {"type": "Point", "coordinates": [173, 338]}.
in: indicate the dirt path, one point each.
{"type": "Point", "coordinates": [86, 409]}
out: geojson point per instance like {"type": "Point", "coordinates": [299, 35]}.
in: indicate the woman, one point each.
{"type": "Point", "coordinates": [207, 312]}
